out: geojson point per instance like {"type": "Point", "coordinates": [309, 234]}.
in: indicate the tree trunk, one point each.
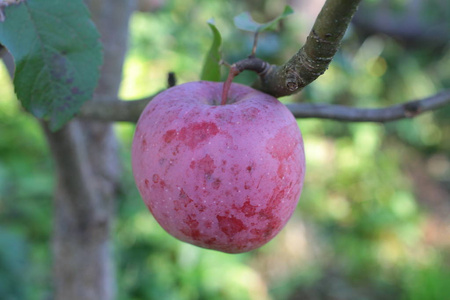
{"type": "Point", "coordinates": [88, 169]}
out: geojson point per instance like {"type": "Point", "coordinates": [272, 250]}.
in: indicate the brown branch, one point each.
{"type": "Point", "coordinates": [129, 111]}
{"type": "Point", "coordinates": [380, 115]}
{"type": "Point", "coordinates": [313, 58]}
{"type": "Point", "coordinates": [114, 111]}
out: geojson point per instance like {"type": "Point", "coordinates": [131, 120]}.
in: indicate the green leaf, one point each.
{"type": "Point", "coordinates": [245, 22]}
{"type": "Point", "coordinates": [57, 54]}
{"type": "Point", "coordinates": [211, 66]}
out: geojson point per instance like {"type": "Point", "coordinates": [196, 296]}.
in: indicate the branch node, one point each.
{"type": "Point", "coordinates": [265, 69]}
{"type": "Point", "coordinates": [292, 80]}
{"type": "Point", "coordinates": [223, 62]}
{"type": "Point", "coordinates": [313, 58]}
{"type": "Point", "coordinates": [320, 39]}
{"type": "Point", "coordinates": [412, 109]}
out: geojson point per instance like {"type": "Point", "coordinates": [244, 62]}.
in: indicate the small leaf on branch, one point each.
{"type": "Point", "coordinates": [245, 22]}
{"type": "Point", "coordinates": [211, 66]}
{"type": "Point", "coordinates": [57, 54]}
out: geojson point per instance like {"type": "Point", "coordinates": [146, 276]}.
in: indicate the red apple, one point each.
{"type": "Point", "coordinates": [224, 177]}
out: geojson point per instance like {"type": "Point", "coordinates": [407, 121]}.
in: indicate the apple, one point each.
{"type": "Point", "coordinates": [223, 177]}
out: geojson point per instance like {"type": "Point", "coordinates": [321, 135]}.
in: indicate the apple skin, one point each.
{"type": "Point", "coordinates": [223, 177]}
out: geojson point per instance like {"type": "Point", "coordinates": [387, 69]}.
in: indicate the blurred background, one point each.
{"type": "Point", "coordinates": [373, 221]}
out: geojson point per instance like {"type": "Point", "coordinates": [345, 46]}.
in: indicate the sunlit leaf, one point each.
{"type": "Point", "coordinates": [57, 54]}
{"type": "Point", "coordinates": [245, 22]}
{"type": "Point", "coordinates": [211, 66]}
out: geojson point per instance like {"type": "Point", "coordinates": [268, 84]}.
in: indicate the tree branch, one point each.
{"type": "Point", "coordinates": [313, 58]}
{"type": "Point", "coordinates": [129, 111]}
{"type": "Point", "coordinates": [114, 111]}
{"type": "Point", "coordinates": [381, 115]}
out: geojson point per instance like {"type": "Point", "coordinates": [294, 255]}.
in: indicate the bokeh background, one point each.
{"type": "Point", "coordinates": [373, 221]}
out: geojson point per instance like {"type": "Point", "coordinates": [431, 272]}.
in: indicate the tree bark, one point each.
{"type": "Point", "coordinates": [88, 168]}
{"type": "Point", "coordinates": [313, 58]}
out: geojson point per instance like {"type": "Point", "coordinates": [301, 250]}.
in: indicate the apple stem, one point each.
{"type": "Point", "coordinates": [251, 63]}
{"type": "Point", "coordinates": [234, 71]}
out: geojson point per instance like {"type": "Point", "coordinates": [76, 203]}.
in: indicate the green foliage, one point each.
{"type": "Point", "coordinates": [211, 66]}
{"type": "Point", "coordinates": [26, 187]}
{"type": "Point", "coordinates": [12, 265]}
{"type": "Point", "coordinates": [57, 54]}
{"type": "Point", "coordinates": [427, 283]}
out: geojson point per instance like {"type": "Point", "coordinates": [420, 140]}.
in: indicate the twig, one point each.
{"type": "Point", "coordinates": [129, 111]}
{"type": "Point", "coordinates": [380, 115]}
{"type": "Point", "coordinates": [255, 43]}
{"type": "Point", "coordinates": [313, 58]}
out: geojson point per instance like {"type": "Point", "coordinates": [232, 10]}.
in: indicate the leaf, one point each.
{"type": "Point", "coordinates": [211, 66]}
{"type": "Point", "coordinates": [245, 22]}
{"type": "Point", "coordinates": [5, 3]}
{"type": "Point", "coordinates": [57, 54]}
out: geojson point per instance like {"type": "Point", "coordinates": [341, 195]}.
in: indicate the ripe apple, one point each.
{"type": "Point", "coordinates": [224, 177]}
